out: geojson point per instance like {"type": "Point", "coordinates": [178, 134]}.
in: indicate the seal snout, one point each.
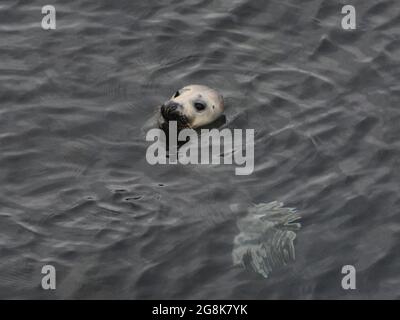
{"type": "Point", "coordinates": [171, 111]}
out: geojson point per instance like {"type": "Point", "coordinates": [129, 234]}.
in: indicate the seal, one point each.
{"type": "Point", "coordinates": [193, 106]}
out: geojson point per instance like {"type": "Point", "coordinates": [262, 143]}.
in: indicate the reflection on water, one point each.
{"type": "Point", "coordinates": [265, 241]}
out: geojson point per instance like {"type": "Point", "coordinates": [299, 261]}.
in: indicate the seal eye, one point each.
{"type": "Point", "coordinates": [177, 94]}
{"type": "Point", "coordinates": [199, 106]}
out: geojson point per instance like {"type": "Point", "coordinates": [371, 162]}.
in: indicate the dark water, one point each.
{"type": "Point", "coordinates": [76, 191]}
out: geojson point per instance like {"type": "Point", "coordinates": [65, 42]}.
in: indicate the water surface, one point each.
{"type": "Point", "coordinates": [76, 190]}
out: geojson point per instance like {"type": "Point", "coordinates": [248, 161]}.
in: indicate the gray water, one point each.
{"type": "Point", "coordinates": [77, 193]}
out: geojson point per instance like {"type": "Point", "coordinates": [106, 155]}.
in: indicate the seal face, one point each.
{"type": "Point", "coordinates": [192, 106]}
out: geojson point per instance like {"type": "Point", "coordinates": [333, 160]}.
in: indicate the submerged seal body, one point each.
{"type": "Point", "coordinates": [192, 106]}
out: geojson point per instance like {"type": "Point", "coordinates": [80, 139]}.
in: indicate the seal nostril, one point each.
{"type": "Point", "coordinates": [173, 106]}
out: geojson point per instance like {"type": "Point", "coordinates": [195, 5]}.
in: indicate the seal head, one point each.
{"type": "Point", "coordinates": [193, 106]}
